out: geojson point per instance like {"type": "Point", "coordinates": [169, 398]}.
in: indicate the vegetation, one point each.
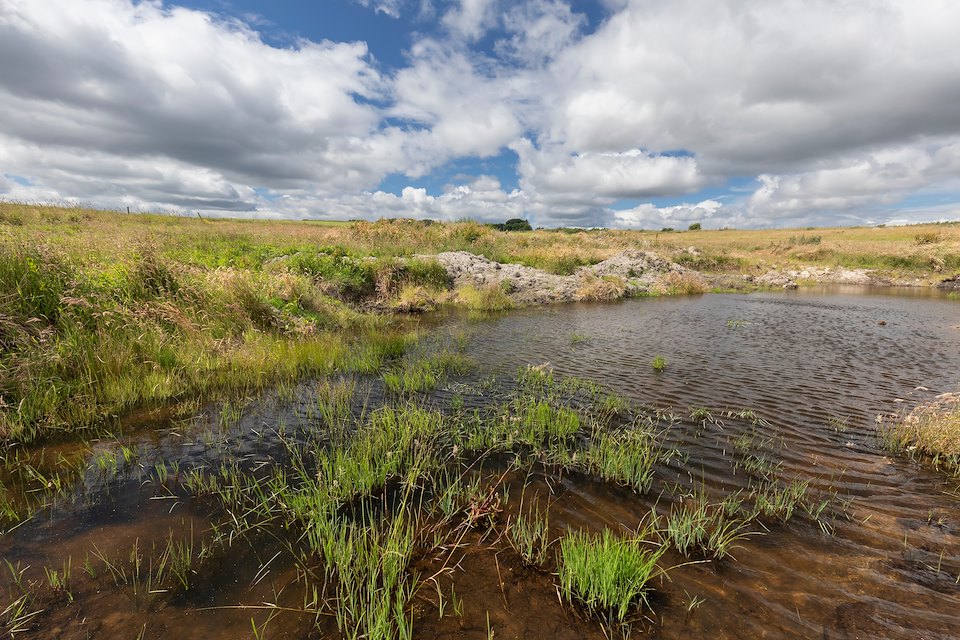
{"type": "Point", "coordinates": [930, 432]}
{"type": "Point", "coordinates": [608, 574]}
{"type": "Point", "coordinates": [377, 486]}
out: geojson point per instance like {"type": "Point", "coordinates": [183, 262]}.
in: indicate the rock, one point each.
{"type": "Point", "coordinates": [790, 285]}
{"type": "Point", "coordinates": [950, 284]}
{"type": "Point", "coordinates": [626, 273]}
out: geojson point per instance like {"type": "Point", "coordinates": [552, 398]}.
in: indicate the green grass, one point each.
{"type": "Point", "coordinates": [489, 298]}
{"type": "Point", "coordinates": [659, 363]}
{"type": "Point", "coordinates": [529, 534]}
{"type": "Point", "coordinates": [699, 528]}
{"type": "Point", "coordinates": [608, 575]}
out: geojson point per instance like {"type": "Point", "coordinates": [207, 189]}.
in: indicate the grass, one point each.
{"type": "Point", "coordinates": [930, 432]}
{"type": "Point", "coordinates": [699, 528]}
{"type": "Point", "coordinates": [607, 575]}
{"type": "Point", "coordinates": [492, 297]}
{"type": "Point", "coordinates": [659, 363]}
{"type": "Point", "coordinates": [529, 534]}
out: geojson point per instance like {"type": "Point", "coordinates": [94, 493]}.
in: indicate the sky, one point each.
{"type": "Point", "coordinates": [616, 113]}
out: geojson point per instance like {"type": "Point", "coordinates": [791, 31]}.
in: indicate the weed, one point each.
{"type": "Point", "coordinates": [659, 363]}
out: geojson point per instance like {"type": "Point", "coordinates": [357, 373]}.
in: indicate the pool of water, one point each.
{"type": "Point", "coordinates": [816, 366]}
{"type": "Point", "coordinates": [820, 366]}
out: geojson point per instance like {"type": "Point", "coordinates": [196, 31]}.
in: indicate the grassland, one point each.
{"type": "Point", "coordinates": [101, 312]}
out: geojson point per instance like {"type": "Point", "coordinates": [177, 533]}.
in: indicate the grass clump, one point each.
{"type": "Point", "coordinates": [593, 289]}
{"type": "Point", "coordinates": [698, 528]}
{"type": "Point", "coordinates": [608, 575]}
{"type": "Point", "coordinates": [624, 457]}
{"type": "Point", "coordinates": [930, 432]}
{"type": "Point", "coordinates": [529, 535]}
{"type": "Point", "coordinates": [492, 297]}
{"type": "Point", "coordinates": [659, 363]}
{"type": "Point", "coordinates": [683, 283]}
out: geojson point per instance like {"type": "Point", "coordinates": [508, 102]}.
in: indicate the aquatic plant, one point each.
{"type": "Point", "coordinates": [659, 363]}
{"type": "Point", "coordinates": [697, 527]}
{"type": "Point", "coordinates": [625, 457]}
{"type": "Point", "coordinates": [608, 574]}
{"type": "Point", "coordinates": [529, 534]}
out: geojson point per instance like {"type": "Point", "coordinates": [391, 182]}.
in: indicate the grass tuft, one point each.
{"type": "Point", "coordinates": [608, 575]}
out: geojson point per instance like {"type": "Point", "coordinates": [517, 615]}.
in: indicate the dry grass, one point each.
{"type": "Point", "coordinates": [687, 283]}
{"type": "Point", "coordinates": [594, 289]}
{"type": "Point", "coordinates": [893, 251]}
{"type": "Point", "coordinates": [930, 432]}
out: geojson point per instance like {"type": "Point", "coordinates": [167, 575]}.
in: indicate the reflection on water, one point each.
{"type": "Point", "coordinates": [815, 366]}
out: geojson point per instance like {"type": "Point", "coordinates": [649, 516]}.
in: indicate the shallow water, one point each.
{"type": "Point", "coordinates": [817, 366]}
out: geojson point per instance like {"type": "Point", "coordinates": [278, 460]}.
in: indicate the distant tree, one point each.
{"type": "Point", "coordinates": [694, 227]}
{"type": "Point", "coordinates": [666, 230]}
{"type": "Point", "coordinates": [517, 224]}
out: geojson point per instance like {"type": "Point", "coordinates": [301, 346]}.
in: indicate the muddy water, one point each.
{"type": "Point", "coordinates": [819, 365]}
{"type": "Point", "coordinates": [815, 366]}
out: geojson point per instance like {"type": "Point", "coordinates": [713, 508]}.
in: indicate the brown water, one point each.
{"type": "Point", "coordinates": [816, 366]}
{"type": "Point", "coordinates": [819, 366]}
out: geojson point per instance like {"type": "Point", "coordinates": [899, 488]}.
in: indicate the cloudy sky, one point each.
{"type": "Point", "coordinates": [623, 113]}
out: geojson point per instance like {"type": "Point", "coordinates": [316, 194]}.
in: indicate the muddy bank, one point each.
{"type": "Point", "coordinates": [628, 273]}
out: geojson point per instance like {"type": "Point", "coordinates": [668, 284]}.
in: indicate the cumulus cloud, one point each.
{"type": "Point", "coordinates": [761, 86]}
{"type": "Point", "coordinates": [471, 19]}
{"type": "Point", "coordinates": [538, 31]}
{"type": "Point", "coordinates": [648, 216]}
{"type": "Point", "coordinates": [841, 111]}
{"type": "Point", "coordinates": [139, 80]}
{"type": "Point", "coordinates": [633, 173]}
{"type": "Point", "coordinates": [881, 177]}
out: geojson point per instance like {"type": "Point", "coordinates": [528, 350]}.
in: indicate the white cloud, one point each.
{"type": "Point", "coordinates": [608, 175]}
{"type": "Point", "coordinates": [143, 80]}
{"type": "Point", "coordinates": [841, 110]}
{"type": "Point", "coordinates": [879, 178]}
{"type": "Point", "coordinates": [471, 19]}
{"type": "Point", "coordinates": [761, 86]}
{"type": "Point", "coordinates": [648, 216]}
{"type": "Point", "coordinates": [390, 8]}
{"type": "Point", "coordinates": [539, 30]}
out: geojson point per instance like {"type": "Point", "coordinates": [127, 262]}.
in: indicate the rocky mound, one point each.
{"type": "Point", "coordinates": [627, 273]}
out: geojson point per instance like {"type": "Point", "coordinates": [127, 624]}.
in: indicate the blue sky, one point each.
{"type": "Point", "coordinates": [626, 113]}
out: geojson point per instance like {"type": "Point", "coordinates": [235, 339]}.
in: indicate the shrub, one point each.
{"type": "Point", "coordinates": [694, 227]}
